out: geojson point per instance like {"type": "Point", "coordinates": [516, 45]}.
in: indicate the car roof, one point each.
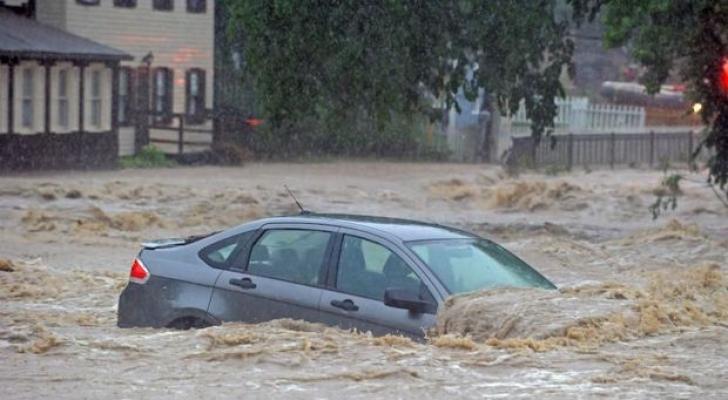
{"type": "Point", "coordinates": [402, 229]}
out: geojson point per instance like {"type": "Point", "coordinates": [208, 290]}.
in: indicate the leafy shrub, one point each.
{"type": "Point", "coordinates": [148, 157]}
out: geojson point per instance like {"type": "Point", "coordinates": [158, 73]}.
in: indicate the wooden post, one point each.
{"type": "Point", "coordinates": [81, 94]}
{"type": "Point", "coordinates": [114, 66]}
{"type": "Point", "coordinates": [47, 93]}
{"type": "Point", "coordinates": [141, 109]}
{"type": "Point", "coordinates": [11, 96]}
{"type": "Point", "coordinates": [180, 134]}
{"type": "Point", "coordinates": [570, 152]}
{"type": "Point", "coordinates": [612, 145]}
{"type": "Point", "coordinates": [690, 147]}
{"type": "Point", "coordinates": [652, 147]}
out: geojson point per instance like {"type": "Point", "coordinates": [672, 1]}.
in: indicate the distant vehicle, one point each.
{"type": "Point", "coordinates": [374, 274]}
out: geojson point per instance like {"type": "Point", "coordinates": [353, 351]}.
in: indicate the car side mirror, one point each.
{"type": "Point", "coordinates": [407, 299]}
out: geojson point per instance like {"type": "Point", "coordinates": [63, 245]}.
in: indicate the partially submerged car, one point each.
{"type": "Point", "coordinates": [373, 274]}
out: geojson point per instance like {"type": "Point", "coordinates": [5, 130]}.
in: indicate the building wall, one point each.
{"type": "Point", "coordinates": [50, 151]}
{"type": "Point", "coordinates": [177, 39]}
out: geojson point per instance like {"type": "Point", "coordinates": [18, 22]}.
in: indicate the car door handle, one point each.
{"type": "Point", "coordinates": [347, 305]}
{"type": "Point", "coordinates": [244, 283]}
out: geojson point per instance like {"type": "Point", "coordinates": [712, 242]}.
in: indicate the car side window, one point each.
{"type": "Point", "coordinates": [218, 254]}
{"type": "Point", "coordinates": [293, 255]}
{"type": "Point", "coordinates": [367, 269]}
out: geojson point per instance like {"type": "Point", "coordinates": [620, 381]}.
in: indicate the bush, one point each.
{"type": "Point", "coordinates": [148, 157]}
{"type": "Point", "coordinates": [353, 135]}
{"type": "Point", "coordinates": [228, 153]}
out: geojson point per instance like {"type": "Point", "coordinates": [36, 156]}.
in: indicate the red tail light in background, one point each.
{"type": "Point", "coordinates": [138, 273]}
{"type": "Point", "coordinates": [723, 77]}
{"type": "Point", "coordinates": [253, 122]}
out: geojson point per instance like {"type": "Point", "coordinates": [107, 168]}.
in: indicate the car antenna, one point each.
{"type": "Point", "coordinates": [300, 207]}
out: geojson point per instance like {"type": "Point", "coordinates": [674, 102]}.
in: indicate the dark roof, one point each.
{"type": "Point", "coordinates": [402, 229]}
{"type": "Point", "coordinates": [26, 38]}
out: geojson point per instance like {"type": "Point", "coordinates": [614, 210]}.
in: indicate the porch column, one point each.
{"type": "Point", "coordinates": [114, 107]}
{"type": "Point", "coordinates": [114, 66]}
{"type": "Point", "coordinates": [47, 99]}
{"type": "Point", "coordinates": [11, 63]}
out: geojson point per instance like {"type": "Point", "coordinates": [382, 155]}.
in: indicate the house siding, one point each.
{"type": "Point", "coordinates": [51, 12]}
{"type": "Point", "coordinates": [126, 141]}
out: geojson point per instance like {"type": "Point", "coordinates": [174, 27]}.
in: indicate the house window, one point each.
{"type": "Point", "coordinates": [27, 98]}
{"type": "Point", "coordinates": [195, 95]}
{"type": "Point", "coordinates": [163, 94]}
{"type": "Point", "coordinates": [163, 5]}
{"type": "Point", "coordinates": [196, 6]}
{"type": "Point", "coordinates": [95, 98]}
{"type": "Point", "coordinates": [126, 85]}
{"type": "Point", "coordinates": [63, 98]}
{"type": "Point", "coordinates": [125, 3]}
{"type": "Point", "coordinates": [88, 2]}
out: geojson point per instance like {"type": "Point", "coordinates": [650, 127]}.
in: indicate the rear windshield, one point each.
{"type": "Point", "coordinates": [475, 264]}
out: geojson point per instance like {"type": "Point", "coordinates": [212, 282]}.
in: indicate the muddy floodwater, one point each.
{"type": "Point", "coordinates": [641, 310]}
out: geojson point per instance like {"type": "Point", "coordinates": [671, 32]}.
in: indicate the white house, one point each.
{"type": "Point", "coordinates": [57, 94]}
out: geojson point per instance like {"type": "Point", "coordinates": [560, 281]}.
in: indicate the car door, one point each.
{"type": "Point", "coordinates": [279, 275]}
{"type": "Point", "coordinates": [363, 266]}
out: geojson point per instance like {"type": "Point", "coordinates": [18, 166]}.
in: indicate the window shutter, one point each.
{"type": "Point", "coordinates": [188, 94]}
{"type": "Point", "coordinates": [169, 93]}
{"type": "Point", "coordinates": [201, 94]}
{"type": "Point", "coordinates": [129, 103]}
{"type": "Point", "coordinates": [196, 6]}
{"type": "Point", "coordinates": [155, 89]}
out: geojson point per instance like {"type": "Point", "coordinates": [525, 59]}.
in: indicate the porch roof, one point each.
{"type": "Point", "coordinates": [26, 38]}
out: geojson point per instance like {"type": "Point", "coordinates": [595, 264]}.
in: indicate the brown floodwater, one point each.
{"type": "Point", "coordinates": [642, 309]}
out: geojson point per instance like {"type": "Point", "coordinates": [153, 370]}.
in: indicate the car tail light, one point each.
{"type": "Point", "coordinates": [138, 273]}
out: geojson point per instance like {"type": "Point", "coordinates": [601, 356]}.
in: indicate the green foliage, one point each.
{"type": "Point", "coordinates": [400, 137]}
{"type": "Point", "coordinates": [346, 74]}
{"type": "Point", "coordinates": [689, 38]}
{"type": "Point", "coordinates": [148, 157]}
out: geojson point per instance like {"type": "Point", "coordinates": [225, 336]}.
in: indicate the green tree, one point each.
{"type": "Point", "coordinates": [686, 37]}
{"type": "Point", "coordinates": [354, 63]}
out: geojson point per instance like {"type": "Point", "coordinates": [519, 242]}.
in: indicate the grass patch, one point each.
{"type": "Point", "coordinates": [148, 157]}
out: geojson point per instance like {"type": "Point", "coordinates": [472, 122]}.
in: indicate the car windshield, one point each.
{"type": "Point", "coordinates": [476, 264]}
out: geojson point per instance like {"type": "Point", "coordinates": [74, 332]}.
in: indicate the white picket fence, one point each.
{"type": "Point", "coordinates": [578, 115]}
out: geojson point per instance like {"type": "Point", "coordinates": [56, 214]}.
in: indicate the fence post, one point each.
{"type": "Point", "coordinates": [690, 147]}
{"type": "Point", "coordinates": [570, 152]}
{"type": "Point", "coordinates": [612, 145]}
{"type": "Point", "coordinates": [652, 147]}
{"type": "Point", "coordinates": [180, 135]}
